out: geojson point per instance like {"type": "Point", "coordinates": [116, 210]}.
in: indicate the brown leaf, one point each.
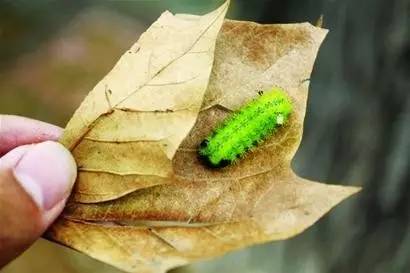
{"type": "Point", "coordinates": [196, 213]}
{"type": "Point", "coordinates": [126, 132]}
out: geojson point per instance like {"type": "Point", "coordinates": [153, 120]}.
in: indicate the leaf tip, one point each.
{"type": "Point", "coordinates": [319, 22]}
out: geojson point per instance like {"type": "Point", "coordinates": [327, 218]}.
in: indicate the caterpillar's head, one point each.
{"type": "Point", "coordinates": [204, 157]}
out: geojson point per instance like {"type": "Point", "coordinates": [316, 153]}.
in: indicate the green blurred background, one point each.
{"type": "Point", "coordinates": [356, 131]}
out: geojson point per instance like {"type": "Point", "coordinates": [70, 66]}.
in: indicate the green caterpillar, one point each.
{"type": "Point", "coordinates": [246, 128]}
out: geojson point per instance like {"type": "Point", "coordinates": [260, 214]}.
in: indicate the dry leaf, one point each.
{"type": "Point", "coordinates": [126, 132]}
{"type": "Point", "coordinates": [175, 210]}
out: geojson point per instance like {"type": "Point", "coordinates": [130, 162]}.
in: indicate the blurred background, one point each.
{"type": "Point", "coordinates": [357, 128]}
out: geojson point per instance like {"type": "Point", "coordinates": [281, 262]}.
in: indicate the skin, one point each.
{"type": "Point", "coordinates": [36, 177]}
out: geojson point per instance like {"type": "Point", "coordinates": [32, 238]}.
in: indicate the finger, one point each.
{"type": "Point", "coordinates": [16, 131]}
{"type": "Point", "coordinates": [35, 181]}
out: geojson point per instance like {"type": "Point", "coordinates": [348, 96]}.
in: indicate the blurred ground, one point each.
{"type": "Point", "coordinates": [357, 129]}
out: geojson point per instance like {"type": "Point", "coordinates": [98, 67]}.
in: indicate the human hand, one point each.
{"type": "Point", "coordinates": [35, 181]}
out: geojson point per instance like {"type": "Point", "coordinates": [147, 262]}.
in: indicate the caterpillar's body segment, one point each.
{"type": "Point", "coordinates": [246, 128]}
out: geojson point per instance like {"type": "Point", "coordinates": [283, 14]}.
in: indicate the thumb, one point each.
{"type": "Point", "coordinates": [35, 181]}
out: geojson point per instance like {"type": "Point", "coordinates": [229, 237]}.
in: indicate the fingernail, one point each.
{"type": "Point", "coordinates": [47, 172]}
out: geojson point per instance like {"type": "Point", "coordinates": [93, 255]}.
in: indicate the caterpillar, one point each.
{"type": "Point", "coordinates": [246, 128]}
